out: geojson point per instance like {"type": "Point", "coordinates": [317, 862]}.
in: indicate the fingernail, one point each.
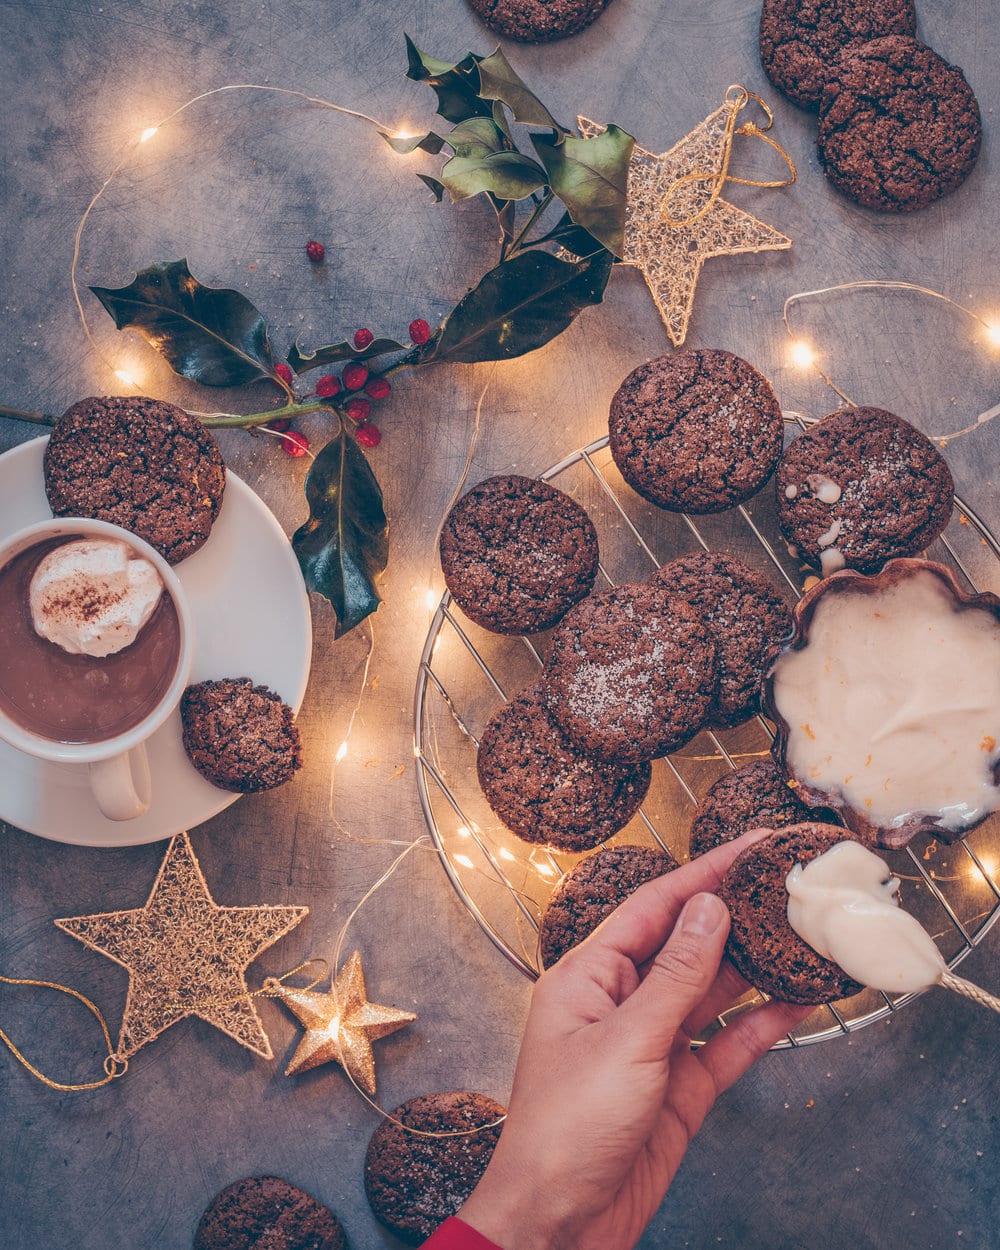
{"type": "Point", "coordinates": [703, 914]}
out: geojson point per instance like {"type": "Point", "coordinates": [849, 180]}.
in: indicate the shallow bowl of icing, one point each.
{"type": "Point", "coordinates": [886, 702]}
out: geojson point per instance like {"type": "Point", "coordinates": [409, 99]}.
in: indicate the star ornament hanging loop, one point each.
{"type": "Point", "coordinates": [675, 216]}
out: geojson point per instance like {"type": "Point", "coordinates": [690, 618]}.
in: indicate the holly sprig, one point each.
{"type": "Point", "coordinates": [559, 205]}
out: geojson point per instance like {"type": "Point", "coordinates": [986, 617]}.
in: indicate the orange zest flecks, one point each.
{"type": "Point", "coordinates": [868, 761]}
{"type": "Point", "coordinates": [989, 743]}
{"type": "Point", "coordinates": [808, 732]}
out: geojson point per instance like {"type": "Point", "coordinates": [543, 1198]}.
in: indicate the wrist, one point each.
{"type": "Point", "coordinates": [510, 1208]}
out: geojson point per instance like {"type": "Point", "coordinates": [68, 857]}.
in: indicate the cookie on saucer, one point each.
{"type": "Point", "coordinates": [801, 39]}
{"type": "Point", "coordinates": [145, 465]}
{"type": "Point", "coordinates": [267, 1211]}
{"type": "Point", "coordinates": [697, 431]}
{"type": "Point", "coordinates": [517, 553]}
{"type": "Point", "coordinates": [239, 736]}
{"type": "Point", "coordinates": [898, 126]}
{"type": "Point", "coordinates": [414, 1183]}
{"type": "Point", "coordinates": [590, 892]}
{"type": "Point", "coordinates": [544, 788]}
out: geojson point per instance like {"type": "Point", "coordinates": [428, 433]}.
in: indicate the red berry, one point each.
{"type": "Point", "coordinates": [328, 385]}
{"type": "Point", "coordinates": [362, 338]}
{"type": "Point", "coordinates": [315, 251]}
{"type": "Point", "coordinates": [284, 372]}
{"type": "Point", "coordinates": [420, 331]}
{"type": "Point", "coordinates": [378, 388]}
{"type": "Point", "coordinates": [294, 443]}
{"type": "Point", "coordinates": [358, 409]}
{"type": "Point", "coordinates": [355, 376]}
{"type": "Point", "coordinates": [280, 424]}
{"type": "Point", "coordinates": [368, 435]}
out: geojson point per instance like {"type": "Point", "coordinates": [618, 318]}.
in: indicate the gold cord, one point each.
{"type": "Point", "coordinates": [968, 990]}
{"type": "Point", "coordinates": [113, 1065]}
{"type": "Point", "coordinates": [737, 98]}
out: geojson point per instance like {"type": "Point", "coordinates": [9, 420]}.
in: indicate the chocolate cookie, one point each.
{"type": "Point", "coordinates": [632, 674]}
{"type": "Point", "coordinates": [697, 431]}
{"type": "Point", "coordinates": [517, 554]}
{"type": "Point", "coordinates": [544, 788]}
{"type": "Point", "coordinates": [538, 21]}
{"type": "Point", "coordinates": [860, 487]}
{"type": "Point", "coordinates": [415, 1183]}
{"type": "Point", "coordinates": [898, 126]}
{"type": "Point", "coordinates": [745, 615]}
{"type": "Point", "coordinates": [265, 1211]}
{"type": "Point", "coordinates": [591, 890]}
{"type": "Point", "coordinates": [139, 463]}
{"type": "Point", "coordinates": [762, 944]}
{"type": "Point", "coordinates": [801, 39]}
{"type": "Point", "coordinates": [755, 796]}
{"type": "Point", "coordinates": [240, 736]}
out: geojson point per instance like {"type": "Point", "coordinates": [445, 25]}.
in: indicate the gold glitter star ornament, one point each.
{"type": "Point", "coordinates": [675, 216]}
{"type": "Point", "coordinates": [186, 955]}
{"type": "Point", "coordinates": [341, 1024]}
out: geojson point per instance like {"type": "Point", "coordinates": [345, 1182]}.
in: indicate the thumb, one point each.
{"type": "Point", "coordinates": [680, 975]}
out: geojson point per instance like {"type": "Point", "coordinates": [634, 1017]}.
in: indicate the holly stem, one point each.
{"type": "Point", "coordinates": [232, 420]}
{"type": "Point", "coordinates": [19, 414]}
{"type": "Point", "coordinates": [536, 212]}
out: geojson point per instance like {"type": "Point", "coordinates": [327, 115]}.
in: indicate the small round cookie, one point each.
{"type": "Point", "coordinates": [698, 431]}
{"type": "Point", "coordinates": [746, 616]}
{"type": "Point", "coordinates": [538, 21]}
{"type": "Point", "coordinates": [632, 674]}
{"type": "Point", "coordinates": [860, 487]}
{"type": "Point", "coordinates": [239, 736]}
{"type": "Point", "coordinates": [139, 463]}
{"type": "Point", "coordinates": [415, 1183]}
{"type": "Point", "coordinates": [755, 796]}
{"type": "Point", "coordinates": [898, 126]}
{"type": "Point", "coordinates": [547, 790]}
{"type": "Point", "coordinates": [517, 554]}
{"type": "Point", "coordinates": [801, 39]}
{"type": "Point", "coordinates": [762, 945]}
{"type": "Point", "coordinates": [591, 890]}
{"type": "Point", "coordinates": [267, 1211]}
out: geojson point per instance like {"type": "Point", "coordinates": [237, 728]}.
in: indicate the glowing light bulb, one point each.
{"type": "Point", "coordinates": [464, 831]}
{"type": "Point", "coordinates": [430, 598]}
{"type": "Point", "coordinates": [545, 870]}
{"type": "Point", "coordinates": [126, 376]}
{"type": "Point", "coordinates": [148, 133]}
{"type": "Point", "coordinates": [801, 354]}
{"type": "Point", "coordinates": [464, 861]}
{"type": "Point", "coordinates": [504, 853]}
{"type": "Point", "coordinates": [993, 331]}
{"type": "Point", "coordinates": [341, 752]}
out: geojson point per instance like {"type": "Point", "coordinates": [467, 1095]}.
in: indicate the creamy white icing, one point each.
{"type": "Point", "coordinates": [844, 903]}
{"type": "Point", "coordinates": [791, 491]}
{"type": "Point", "coordinates": [894, 703]}
{"type": "Point", "coordinates": [831, 560]}
{"type": "Point", "coordinates": [830, 536]}
{"type": "Point", "coordinates": [93, 596]}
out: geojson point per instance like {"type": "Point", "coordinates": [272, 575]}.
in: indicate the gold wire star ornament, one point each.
{"type": "Point", "coordinates": [341, 1024]}
{"type": "Point", "coordinates": [675, 216]}
{"type": "Point", "coordinates": [186, 955]}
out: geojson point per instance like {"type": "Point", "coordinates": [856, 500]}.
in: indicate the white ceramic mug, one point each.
{"type": "Point", "coordinates": [118, 766]}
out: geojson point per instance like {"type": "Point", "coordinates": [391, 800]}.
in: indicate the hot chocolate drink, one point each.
{"type": "Point", "coordinates": [78, 697]}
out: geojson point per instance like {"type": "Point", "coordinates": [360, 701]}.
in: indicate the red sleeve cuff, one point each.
{"type": "Point", "coordinates": [455, 1234]}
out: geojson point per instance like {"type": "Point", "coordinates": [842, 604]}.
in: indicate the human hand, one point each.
{"type": "Point", "coordinates": [608, 1093]}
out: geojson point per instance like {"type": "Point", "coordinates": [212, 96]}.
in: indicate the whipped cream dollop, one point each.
{"type": "Point", "coordinates": [93, 596]}
{"type": "Point", "coordinates": [844, 904]}
{"type": "Point", "coordinates": [893, 704]}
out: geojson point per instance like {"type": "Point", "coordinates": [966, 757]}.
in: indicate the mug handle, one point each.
{"type": "Point", "coordinates": [122, 785]}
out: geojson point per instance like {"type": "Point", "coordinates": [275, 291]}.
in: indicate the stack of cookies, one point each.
{"type": "Point", "coordinates": [898, 126]}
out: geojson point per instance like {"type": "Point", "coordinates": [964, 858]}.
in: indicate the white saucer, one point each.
{"type": "Point", "coordinates": [251, 617]}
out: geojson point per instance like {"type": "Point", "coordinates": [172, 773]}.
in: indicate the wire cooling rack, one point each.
{"type": "Point", "coordinates": [466, 673]}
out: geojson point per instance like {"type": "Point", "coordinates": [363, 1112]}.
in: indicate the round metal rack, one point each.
{"type": "Point", "coordinates": [466, 673]}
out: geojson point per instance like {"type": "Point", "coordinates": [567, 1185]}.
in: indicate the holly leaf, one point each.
{"type": "Point", "coordinates": [405, 144]}
{"type": "Point", "coordinates": [454, 85]}
{"type": "Point", "coordinates": [437, 188]}
{"type": "Point", "coordinates": [519, 306]}
{"type": "Point", "coordinates": [590, 176]}
{"type": "Point", "coordinates": [302, 362]}
{"type": "Point", "coordinates": [477, 136]}
{"type": "Point", "coordinates": [211, 335]}
{"type": "Point", "coordinates": [498, 81]}
{"type": "Point", "coordinates": [507, 175]}
{"type": "Point", "coordinates": [344, 545]}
